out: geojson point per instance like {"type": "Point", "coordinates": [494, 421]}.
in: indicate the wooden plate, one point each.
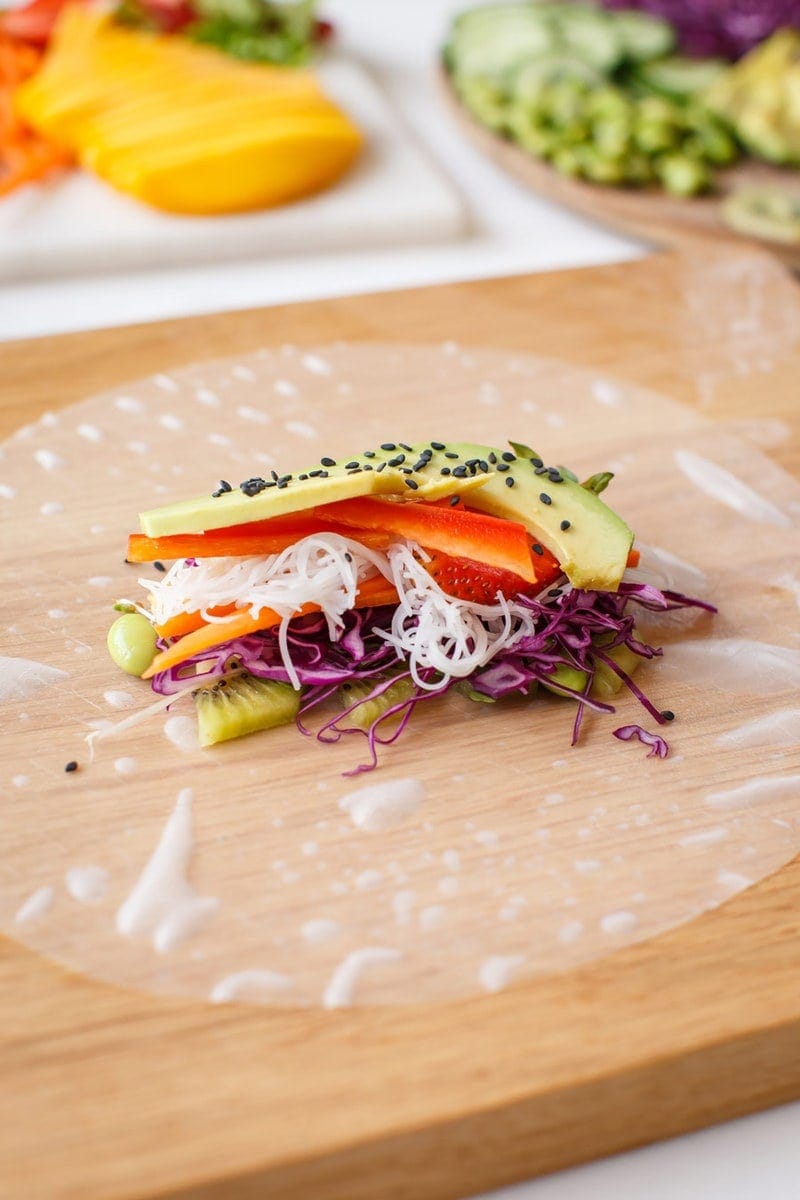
{"type": "Point", "coordinates": [654, 215]}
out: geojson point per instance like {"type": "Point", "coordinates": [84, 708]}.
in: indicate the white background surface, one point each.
{"type": "Point", "coordinates": [510, 232]}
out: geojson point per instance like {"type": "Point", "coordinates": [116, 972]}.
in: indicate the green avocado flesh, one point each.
{"type": "Point", "coordinates": [589, 540]}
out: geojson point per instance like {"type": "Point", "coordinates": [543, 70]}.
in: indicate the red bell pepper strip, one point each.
{"type": "Point", "coordinates": [258, 537]}
{"type": "Point", "coordinates": [455, 531]}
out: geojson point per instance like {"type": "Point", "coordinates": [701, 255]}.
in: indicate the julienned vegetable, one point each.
{"type": "Point", "coordinates": [382, 601]}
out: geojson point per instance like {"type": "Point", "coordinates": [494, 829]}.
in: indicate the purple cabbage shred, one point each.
{"type": "Point", "coordinates": [724, 28]}
{"type": "Point", "coordinates": [658, 746]}
{"type": "Point", "coordinates": [577, 630]}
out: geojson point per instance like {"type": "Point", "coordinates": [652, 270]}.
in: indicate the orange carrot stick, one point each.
{"type": "Point", "coordinates": [372, 593]}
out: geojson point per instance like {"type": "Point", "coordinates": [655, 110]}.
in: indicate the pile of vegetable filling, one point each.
{"type": "Point", "coordinates": [343, 596]}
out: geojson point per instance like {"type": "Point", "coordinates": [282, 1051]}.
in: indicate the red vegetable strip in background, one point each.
{"type": "Point", "coordinates": [633, 558]}
{"type": "Point", "coordinates": [455, 531]}
{"type": "Point", "coordinates": [33, 22]}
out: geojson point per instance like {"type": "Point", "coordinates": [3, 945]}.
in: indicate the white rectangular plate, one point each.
{"type": "Point", "coordinates": [77, 225]}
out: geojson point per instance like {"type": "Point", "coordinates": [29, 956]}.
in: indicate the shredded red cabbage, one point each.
{"type": "Point", "coordinates": [728, 28]}
{"type": "Point", "coordinates": [574, 628]}
{"type": "Point", "coordinates": [658, 747]}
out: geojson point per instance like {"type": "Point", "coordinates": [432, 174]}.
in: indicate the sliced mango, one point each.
{"type": "Point", "coordinates": [183, 127]}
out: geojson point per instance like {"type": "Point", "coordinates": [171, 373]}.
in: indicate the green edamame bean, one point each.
{"type": "Point", "coordinates": [682, 176]}
{"type": "Point", "coordinates": [132, 643]}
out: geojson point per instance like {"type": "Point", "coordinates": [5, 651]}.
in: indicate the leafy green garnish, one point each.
{"type": "Point", "coordinates": [523, 451]}
{"type": "Point", "coordinates": [599, 482]}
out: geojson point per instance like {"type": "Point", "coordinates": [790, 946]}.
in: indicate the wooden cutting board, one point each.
{"type": "Point", "coordinates": [645, 213]}
{"type": "Point", "coordinates": [116, 1094]}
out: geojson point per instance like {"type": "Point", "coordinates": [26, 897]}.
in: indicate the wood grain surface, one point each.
{"type": "Point", "coordinates": [641, 212]}
{"type": "Point", "coordinates": [107, 1093]}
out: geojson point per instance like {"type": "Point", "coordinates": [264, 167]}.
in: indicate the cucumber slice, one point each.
{"type": "Point", "coordinates": [679, 78]}
{"type": "Point", "coordinates": [494, 40]}
{"type": "Point", "coordinates": [591, 35]}
{"type": "Point", "coordinates": [643, 36]}
{"type": "Point", "coordinates": [537, 74]}
{"type": "Point", "coordinates": [243, 705]}
{"type": "Point", "coordinates": [767, 213]}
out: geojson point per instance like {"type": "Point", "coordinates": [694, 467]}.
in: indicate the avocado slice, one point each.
{"type": "Point", "coordinates": [424, 471]}
{"type": "Point", "coordinates": [589, 540]}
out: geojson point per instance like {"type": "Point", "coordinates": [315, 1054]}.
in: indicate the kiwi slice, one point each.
{"type": "Point", "coordinates": [767, 213]}
{"type": "Point", "coordinates": [243, 705]}
{"type": "Point", "coordinates": [606, 683]}
{"type": "Point", "coordinates": [363, 716]}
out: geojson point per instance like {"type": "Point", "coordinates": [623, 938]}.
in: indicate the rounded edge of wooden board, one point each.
{"type": "Point", "coordinates": [656, 216]}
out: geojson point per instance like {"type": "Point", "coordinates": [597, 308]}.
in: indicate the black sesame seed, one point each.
{"type": "Point", "coordinates": [71, 766]}
{"type": "Point", "coordinates": [472, 462]}
{"type": "Point", "coordinates": [355, 471]}
{"type": "Point", "coordinates": [285, 478]}
{"type": "Point", "coordinates": [492, 457]}
{"type": "Point", "coordinates": [454, 500]}
{"type": "Point", "coordinates": [412, 483]}
{"type": "Point", "coordinates": [388, 446]}
{"type": "Point", "coordinates": [437, 445]}
{"type": "Point", "coordinates": [451, 454]}
{"type": "Point", "coordinates": [445, 471]}
{"type": "Point", "coordinates": [382, 467]}
{"type": "Point", "coordinates": [397, 460]}
{"type": "Point", "coordinates": [566, 524]}
{"type": "Point", "coordinates": [159, 566]}
{"type": "Point", "coordinates": [554, 593]}
{"type": "Point", "coordinates": [508, 457]}
{"type": "Point", "coordinates": [510, 481]}
{"type": "Point", "coordinates": [555, 476]}
{"type": "Point", "coordinates": [274, 475]}
{"type": "Point", "coordinates": [421, 464]}
{"type": "Point", "coordinates": [537, 549]}
{"type": "Point", "coordinates": [540, 470]}
{"type": "Point", "coordinates": [281, 484]}
{"type": "Point", "coordinates": [460, 472]}
{"type": "Point", "coordinates": [668, 714]}
{"type": "Point", "coordinates": [483, 464]}
{"type": "Point", "coordinates": [502, 467]}
{"type": "Point", "coordinates": [367, 467]}
{"type": "Point", "coordinates": [323, 474]}
{"type": "Point", "coordinates": [403, 446]}
{"type": "Point", "coordinates": [537, 462]}
{"type": "Point", "coordinates": [314, 474]}
{"type": "Point", "coordinates": [348, 556]}
{"type": "Point", "coordinates": [369, 454]}
{"type": "Point", "coordinates": [545, 499]}
{"type": "Point", "coordinates": [271, 483]}
{"type": "Point", "coordinates": [304, 476]}
{"type": "Point", "coordinates": [328, 462]}
{"type": "Point", "coordinates": [351, 465]}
